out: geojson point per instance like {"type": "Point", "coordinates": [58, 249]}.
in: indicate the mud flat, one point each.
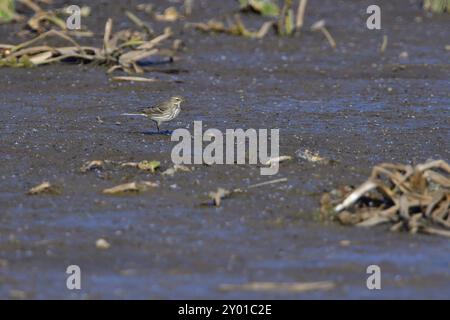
{"type": "Point", "coordinates": [352, 104]}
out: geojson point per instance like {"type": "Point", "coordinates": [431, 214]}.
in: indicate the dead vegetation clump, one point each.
{"type": "Point", "coordinates": [125, 50]}
{"type": "Point", "coordinates": [409, 198]}
{"type": "Point", "coordinates": [41, 20]}
{"type": "Point", "coordinates": [233, 26]}
{"type": "Point", "coordinates": [283, 20]}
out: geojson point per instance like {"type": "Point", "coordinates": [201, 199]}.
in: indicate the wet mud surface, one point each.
{"type": "Point", "coordinates": [352, 105]}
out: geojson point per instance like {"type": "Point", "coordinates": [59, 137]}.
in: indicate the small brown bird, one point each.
{"type": "Point", "coordinates": [163, 112]}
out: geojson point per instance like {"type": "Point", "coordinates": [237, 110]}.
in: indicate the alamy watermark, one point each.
{"type": "Point", "coordinates": [73, 281]}
{"type": "Point", "coordinates": [373, 282]}
{"type": "Point", "coordinates": [190, 149]}
{"type": "Point", "coordinates": [374, 20]}
{"type": "Point", "coordinates": [73, 22]}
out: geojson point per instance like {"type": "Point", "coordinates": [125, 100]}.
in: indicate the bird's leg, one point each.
{"type": "Point", "coordinates": [157, 124]}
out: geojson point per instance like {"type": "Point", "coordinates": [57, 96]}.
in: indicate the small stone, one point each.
{"type": "Point", "coordinates": [404, 55]}
{"type": "Point", "coordinates": [102, 244]}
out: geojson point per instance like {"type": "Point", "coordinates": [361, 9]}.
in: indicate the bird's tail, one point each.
{"type": "Point", "coordinates": [134, 114]}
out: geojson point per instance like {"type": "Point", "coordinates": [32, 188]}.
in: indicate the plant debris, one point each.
{"type": "Point", "coordinates": [44, 187]}
{"type": "Point", "coordinates": [171, 14]}
{"type": "Point", "coordinates": [122, 50]}
{"type": "Point", "coordinates": [300, 14]}
{"type": "Point", "coordinates": [267, 8]}
{"type": "Point", "coordinates": [320, 26]}
{"type": "Point", "coordinates": [131, 187]}
{"type": "Point", "coordinates": [279, 286]}
{"type": "Point", "coordinates": [312, 156]}
{"type": "Point", "coordinates": [235, 27]}
{"type": "Point", "coordinates": [413, 199]}
{"type": "Point", "coordinates": [188, 6]}
{"type": "Point", "coordinates": [279, 159]}
{"type": "Point", "coordinates": [286, 23]}
{"type": "Point", "coordinates": [134, 79]}
{"type": "Point", "coordinates": [384, 44]}
{"type": "Point", "coordinates": [176, 168]}
{"type": "Point", "coordinates": [139, 23]}
{"type": "Point", "coordinates": [92, 165]}
{"type": "Point", "coordinates": [221, 193]}
{"type": "Point", "coordinates": [143, 165]}
{"type": "Point", "coordinates": [146, 7]}
{"type": "Point", "coordinates": [218, 195]}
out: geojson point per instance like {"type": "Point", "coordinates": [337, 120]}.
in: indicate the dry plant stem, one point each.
{"type": "Point", "coordinates": [135, 79]}
{"type": "Point", "coordinates": [384, 44]}
{"type": "Point", "coordinates": [188, 4]}
{"type": "Point", "coordinates": [356, 195]}
{"type": "Point", "coordinates": [32, 50]}
{"type": "Point", "coordinates": [30, 4]}
{"type": "Point", "coordinates": [267, 183]}
{"type": "Point", "coordinates": [300, 15]}
{"type": "Point", "coordinates": [106, 37]}
{"type": "Point", "coordinates": [138, 22]}
{"type": "Point", "coordinates": [45, 35]}
{"type": "Point", "coordinates": [257, 185]}
{"type": "Point", "coordinates": [150, 44]}
{"type": "Point", "coordinates": [329, 37]}
{"type": "Point", "coordinates": [438, 232]}
{"type": "Point", "coordinates": [264, 29]}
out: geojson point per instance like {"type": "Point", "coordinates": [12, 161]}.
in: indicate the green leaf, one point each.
{"type": "Point", "coordinates": [289, 23]}
{"type": "Point", "coordinates": [265, 7]}
{"type": "Point", "coordinates": [149, 165]}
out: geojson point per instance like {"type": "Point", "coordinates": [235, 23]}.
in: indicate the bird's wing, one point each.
{"type": "Point", "coordinates": [158, 109]}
